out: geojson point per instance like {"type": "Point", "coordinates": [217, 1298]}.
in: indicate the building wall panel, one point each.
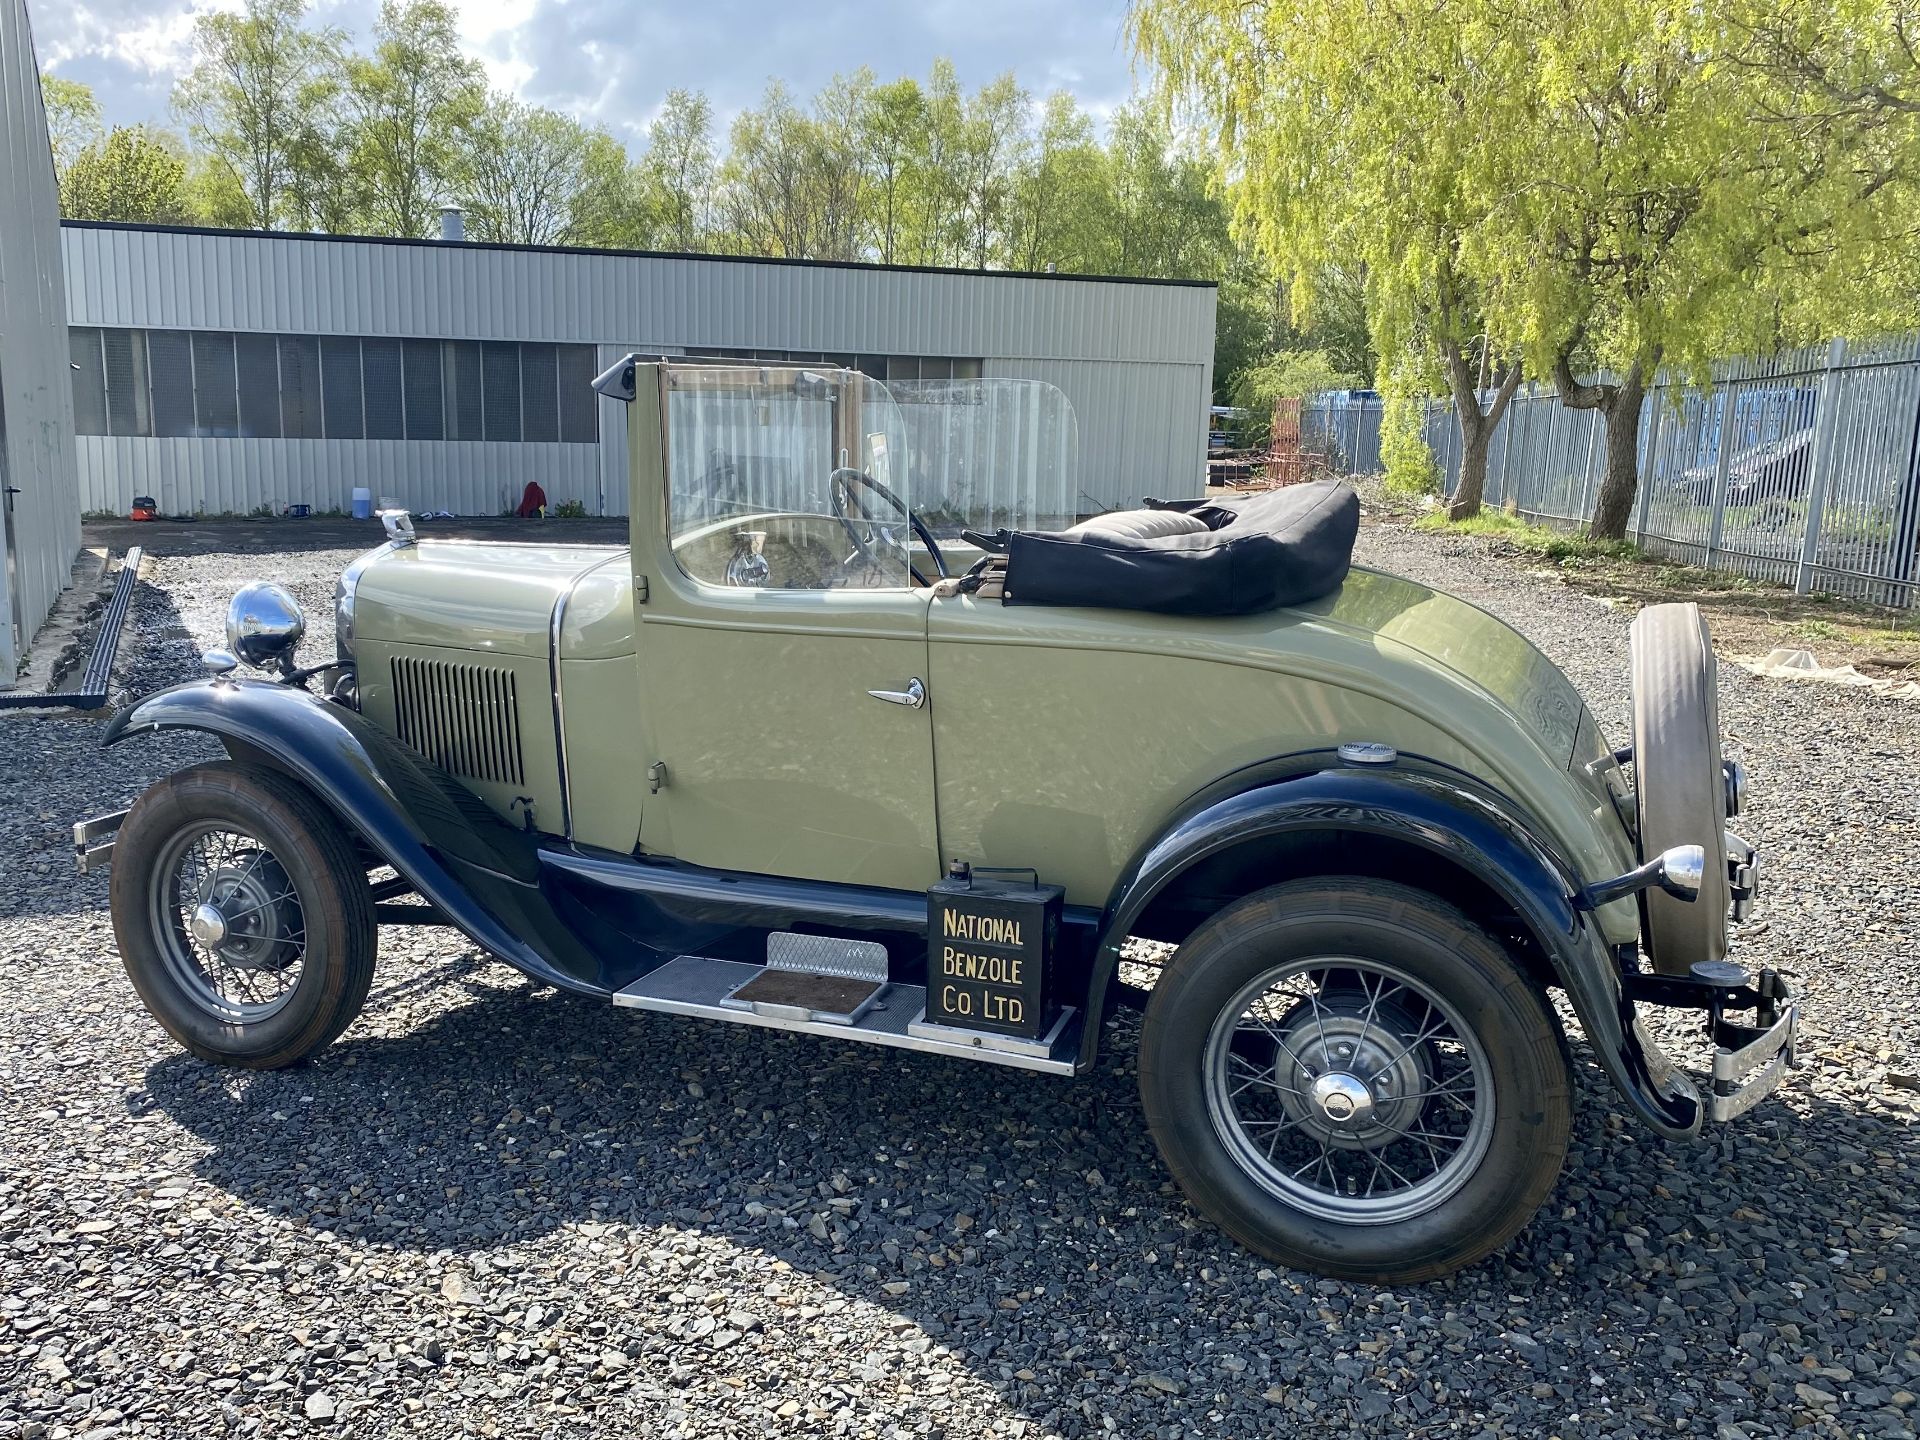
{"type": "Point", "coordinates": [1134, 359]}
{"type": "Point", "coordinates": [36, 391]}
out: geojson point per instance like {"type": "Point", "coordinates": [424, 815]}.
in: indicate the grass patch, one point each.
{"type": "Point", "coordinates": [1541, 540]}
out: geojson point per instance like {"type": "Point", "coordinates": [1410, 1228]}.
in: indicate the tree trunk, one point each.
{"type": "Point", "coordinates": [1613, 510]}
{"type": "Point", "coordinates": [1476, 439]}
{"type": "Point", "coordinates": [1476, 430]}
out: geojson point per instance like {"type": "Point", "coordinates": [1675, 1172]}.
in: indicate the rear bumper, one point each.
{"type": "Point", "coordinates": [1750, 1061]}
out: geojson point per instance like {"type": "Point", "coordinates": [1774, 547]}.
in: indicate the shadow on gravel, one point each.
{"type": "Point", "coordinates": [1031, 1224]}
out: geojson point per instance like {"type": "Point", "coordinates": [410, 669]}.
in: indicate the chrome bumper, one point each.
{"type": "Point", "coordinates": [1750, 1061]}
{"type": "Point", "coordinates": [93, 842]}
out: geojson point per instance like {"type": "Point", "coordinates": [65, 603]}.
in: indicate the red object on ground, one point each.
{"type": "Point", "coordinates": [144, 508]}
{"type": "Point", "coordinates": [532, 501]}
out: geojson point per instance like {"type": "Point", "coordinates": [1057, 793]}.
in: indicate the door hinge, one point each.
{"type": "Point", "coordinates": [656, 777]}
{"type": "Point", "coordinates": [640, 589]}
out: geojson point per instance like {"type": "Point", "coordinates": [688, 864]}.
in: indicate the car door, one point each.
{"type": "Point", "coordinates": [778, 664]}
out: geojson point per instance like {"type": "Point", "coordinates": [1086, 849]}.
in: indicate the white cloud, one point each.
{"type": "Point", "coordinates": [611, 61]}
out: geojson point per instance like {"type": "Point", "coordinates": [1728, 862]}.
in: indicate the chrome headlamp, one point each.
{"type": "Point", "coordinates": [264, 625]}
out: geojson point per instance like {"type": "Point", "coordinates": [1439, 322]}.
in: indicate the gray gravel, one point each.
{"type": "Point", "coordinates": [492, 1210]}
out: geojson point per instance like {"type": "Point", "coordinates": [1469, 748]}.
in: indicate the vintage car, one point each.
{"type": "Point", "coordinates": [793, 759]}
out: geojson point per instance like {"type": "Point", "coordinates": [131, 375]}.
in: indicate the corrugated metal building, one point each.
{"type": "Point", "coordinates": [223, 371]}
{"type": "Point", "coordinates": [39, 516]}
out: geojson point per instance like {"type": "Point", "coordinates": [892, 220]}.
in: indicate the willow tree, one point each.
{"type": "Point", "coordinates": [1602, 185]}
{"type": "Point", "coordinates": [1358, 137]}
{"type": "Point", "coordinates": [1683, 194]}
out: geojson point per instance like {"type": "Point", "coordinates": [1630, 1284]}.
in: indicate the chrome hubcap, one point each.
{"type": "Point", "coordinates": [209, 925]}
{"type": "Point", "coordinates": [1343, 1100]}
{"type": "Point", "coordinates": [229, 922]}
{"type": "Point", "coordinates": [1349, 1090]}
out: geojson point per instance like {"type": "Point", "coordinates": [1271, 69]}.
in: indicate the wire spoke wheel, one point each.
{"type": "Point", "coordinates": [1349, 1089]}
{"type": "Point", "coordinates": [229, 922]}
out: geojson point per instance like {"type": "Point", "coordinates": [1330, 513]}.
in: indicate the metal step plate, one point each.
{"type": "Point", "coordinates": [828, 955]}
{"type": "Point", "coordinates": [697, 986]}
{"type": "Point", "coordinates": [804, 995]}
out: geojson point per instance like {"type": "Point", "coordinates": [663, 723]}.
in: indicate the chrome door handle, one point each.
{"type": "Point", "coordinates": [913, 697]}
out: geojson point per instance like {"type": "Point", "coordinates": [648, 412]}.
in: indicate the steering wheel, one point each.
{"type": "Point", "coordinates": [842, 488]}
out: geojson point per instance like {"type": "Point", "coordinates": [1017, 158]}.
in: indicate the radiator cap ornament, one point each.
{"type": "Point", "coordinates": [1367, 752]}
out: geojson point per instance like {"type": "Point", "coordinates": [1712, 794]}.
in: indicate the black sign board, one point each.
{"type": "Point", "coordinates": [990, 954]}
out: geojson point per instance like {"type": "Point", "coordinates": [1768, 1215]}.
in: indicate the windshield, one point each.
{"type": "Point", "coordinates": [963, 454]}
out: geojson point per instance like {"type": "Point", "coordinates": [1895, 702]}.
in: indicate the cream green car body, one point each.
{"type": "Point", "coordinates": [667, 765]}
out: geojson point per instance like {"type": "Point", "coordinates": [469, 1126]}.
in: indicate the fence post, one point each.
{"type": "Point", "coordinates": [1723, 445]}
{"type": "Point", "coordinates": [1825, 423]}
{"type": "Point", "coordinates": [1646, 471]}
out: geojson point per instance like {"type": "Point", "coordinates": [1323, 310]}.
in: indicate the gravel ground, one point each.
{"type": "Point", "coordinates": [493, 1210]}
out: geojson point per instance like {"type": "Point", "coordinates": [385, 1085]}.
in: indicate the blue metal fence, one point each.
{"type": "Point", "coordinates": [1799, 469]}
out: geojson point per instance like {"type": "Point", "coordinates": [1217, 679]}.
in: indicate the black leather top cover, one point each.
{"type": "Point", "coordinates": [1246, 554]}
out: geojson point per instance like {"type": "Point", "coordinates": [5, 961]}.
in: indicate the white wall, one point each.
{"type": "Point", "coordinates": [36, 395]}
{"type": "Point", "coordinates": [1134, 359]}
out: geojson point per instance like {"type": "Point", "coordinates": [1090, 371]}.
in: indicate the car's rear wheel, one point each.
{"type": "Point", "coordinates": [242, 915]}
{"type": "Point", "coordinates": [1349, 1076]}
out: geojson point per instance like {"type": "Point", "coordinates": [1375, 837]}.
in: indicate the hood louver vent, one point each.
{"type": "Point", "coordinates": [464, 718]}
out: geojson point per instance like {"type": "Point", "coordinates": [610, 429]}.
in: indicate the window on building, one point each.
{"type": "Point", "coordinates": [340, 387]}
{"type": "Point", "coordinates": [216, 383]}
{"type": "Point", "coordinates": [89, 382]}
{"type": "Point", "coordinates": [300, 387]}
{"type": "Point", "coordinates": [386, 412]}
{"type": "Point", "coordinates": [129, 400]}
{"type": "Point", "coordinates": [424, 400]}
{"type": "Point", "coordinates": [500, 388]}
{"type": "Point", "coordinates": [216, 403]}
{"type": "Point", "coordinates": [539, 393]}
{"type": "Point", "coordinates": [258, 359]}
{"type": "Point", "coordinates": [461, 360]}
{"type": "Point", "coordinates": [170, 380]}
{"type": "Point", "coordinates": [579, 415]}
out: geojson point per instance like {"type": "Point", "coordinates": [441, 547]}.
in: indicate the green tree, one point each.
{"type": "Point", "coordinates": [1053, 197]}
{"type": "Point", "coordinates": [893, 150]}
{"type": "Point", "coordinates": [532, 176]}
{"type": "Point", "coordinates": [260, 101]}
{"type": "Point", "coordinates": [1599, 185]}
{"type": "Point", "coordinates": [795, 184]}
{"type": "Point", "coordinates": [614, 208]}
{"type": "Point", "coordinates": [678, 171]}
{"type": "Point", "coordinates": [408, 102]}
{"type": "Point", "coordinates": [1162, 216]}
{"type": "Point", "coordinates": [133, 175]}
{"type": "Point", "coordinates": [1356, 137]}
{"type": "Point", "coordinates": [73, 118]}
{"type": "Point", "coordinates": [1680, 197]}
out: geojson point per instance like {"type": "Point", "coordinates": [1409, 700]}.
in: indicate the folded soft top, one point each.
{"type": "Point", "coordinates": [1194, 557]}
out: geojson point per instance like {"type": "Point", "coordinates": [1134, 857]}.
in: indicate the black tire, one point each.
{"type": "Point", "coordinates": [1678, 779]}
{"type": "Point", "coordinates": [317, 859]}
{"type": "Point", "coordinates": [1415, 935]}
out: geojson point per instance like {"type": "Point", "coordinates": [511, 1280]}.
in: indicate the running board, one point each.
{"type": "Point", "coordinates": [694, 985]}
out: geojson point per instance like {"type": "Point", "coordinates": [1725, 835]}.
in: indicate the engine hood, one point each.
{"type": "Point", "coordinates": [470, 595]}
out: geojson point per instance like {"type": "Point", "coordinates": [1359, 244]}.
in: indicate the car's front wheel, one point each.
{"type": "Point", "coordinates": [1349, 1076]}
{"type": "Point", "coordinates": [242, 914]}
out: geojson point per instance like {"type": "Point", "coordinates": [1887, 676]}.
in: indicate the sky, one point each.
{"type": "Point", "coordinates": [609, 62]}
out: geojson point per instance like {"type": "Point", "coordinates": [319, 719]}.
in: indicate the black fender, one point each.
{"type": "Point", "coordinates": [1450, 817]}
{"type": "Point", "coordinates": [462, 858]}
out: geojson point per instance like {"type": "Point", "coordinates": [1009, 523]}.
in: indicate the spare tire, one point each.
{"type": "Point", "coordinates": [1677, 777]}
